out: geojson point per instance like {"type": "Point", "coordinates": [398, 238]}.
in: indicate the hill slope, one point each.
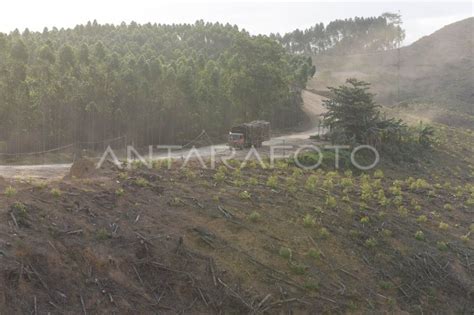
{"type": "Point", "coordinates": [250, 240]}
{"type": "Point", "coordinates": [437, 68]}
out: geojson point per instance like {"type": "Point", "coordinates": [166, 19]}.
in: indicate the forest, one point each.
{"type": "Point", "coordinates": [153, 83]}
{"type": "Point", "coordinates": [349, 36]}
{"type": "Point", "coordinates": [157, 84]}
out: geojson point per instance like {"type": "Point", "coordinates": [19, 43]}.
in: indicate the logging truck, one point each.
{"type": "Point", "coordinates": [249, 134]}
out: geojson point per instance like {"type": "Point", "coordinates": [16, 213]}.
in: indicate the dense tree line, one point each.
{"type": "Point", "coordinates": [348, 36]}
{"type": "Point", "coordinates": [153, 83]}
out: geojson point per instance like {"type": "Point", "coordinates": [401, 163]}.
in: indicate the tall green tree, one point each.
{"type": "Point", "coordinates": [351, 111]}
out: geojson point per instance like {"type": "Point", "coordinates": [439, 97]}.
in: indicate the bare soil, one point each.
{"type": "Point", "coordinates": [186, 241]}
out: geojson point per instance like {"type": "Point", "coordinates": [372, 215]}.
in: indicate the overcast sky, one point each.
{"type": "Point", "coordinates": [420, 17]}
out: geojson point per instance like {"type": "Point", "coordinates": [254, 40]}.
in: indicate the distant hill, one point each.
{"type": "Point", "coordinates": [437, 69]}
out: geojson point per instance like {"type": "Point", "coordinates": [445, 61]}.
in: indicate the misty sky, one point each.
{"type": "Point", "coordinates": [420, 17]}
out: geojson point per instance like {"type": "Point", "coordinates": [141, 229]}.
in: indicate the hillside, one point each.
{"type": "Point", "coordinates": [250, 240]}
{"type": "Point", "coordinates": [437, 69]}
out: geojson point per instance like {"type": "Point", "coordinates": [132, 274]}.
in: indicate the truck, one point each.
{"type": "Point", "coordinates": [249, 134]}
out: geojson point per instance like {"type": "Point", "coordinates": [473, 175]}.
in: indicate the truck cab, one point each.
{"type": "Point", "coordinates": [236, 140]}
{"type": "Point", "coordinates": [248, 135]}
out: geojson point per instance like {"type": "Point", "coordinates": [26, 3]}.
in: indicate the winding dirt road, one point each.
{"type": "Point", "coordinates": [312, 105]}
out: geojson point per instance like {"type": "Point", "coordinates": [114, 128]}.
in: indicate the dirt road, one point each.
{"type": "Point", "coordinates": [312, 105]}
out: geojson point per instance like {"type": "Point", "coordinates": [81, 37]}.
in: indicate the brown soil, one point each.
{"type": "Point", "coordinates": [180, 241]}
{"type": "Point", "coordinates": [82, 168]}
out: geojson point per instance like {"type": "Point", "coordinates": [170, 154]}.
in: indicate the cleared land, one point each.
{"type": "Point", "coordinates": [251, 240]}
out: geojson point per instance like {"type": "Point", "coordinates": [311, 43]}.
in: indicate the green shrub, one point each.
{"type": "Point", "coordinates": [378, 174]}
{"type": "Point", "coordinates": [137, 164]}
{"type": "Point", "coordinates": [103, 234]}
{"type": "Point", "coordinates": [237, 172]}
{"type": "Point", "coordinates": [331, 202]}
{"type": "Point", "coordinates": [323, 233]}
{"type": "Point", "coordinates": [347, 182]}
{"type": "Point", "coordinates": [245, 195]}
{"type": "Point", "coordinates": [402, 211]}
{"type": "Point", "coordinates": [421, 219]}
{"type": "Point", "coordinates": [122, 176]}
{"type": "Point", "coordinates": [238, 182]}
{"type": "Point", "coordinates": [253, 181]}
{"type": "Point", "coordinates": [20, 209]}
{"type": "Point", "coordinates": [189, 174]}
{"type": "Point", "coordinates": [366, 192]}
{"type": "Point", "coordinates": [470, 202]}
{"type": "Point", "coordinates": [382, 200]}
{"type": "Point", "coordinates": [443, 226]}
{"type": "Point", "coordinates": [297, 172]}
{"type": "Point", "coordinates": [291, 184]}
{"type": "Point", "coordinates": [311, 183]}
{"type": "Point", "coordinates": [419, 235]}
{"type": "Point", "coordinates": [281, 164]}
{"type": "Point", "coordinates": [142, 182]}
{"type": "Point", "coordinates": [442, 246]}
{"type": "Point", "coordinates": [308, 159]}
{"type": "Point", "coordinates": [175, 202]}
{"type": "Point", "coordinates": [328, 184]}
{"type": "Point", "coordinates": [285, 252]}
{"type": "Point", "coordinates": [397, 200]}
{"type": "Point", "coordinates": [354, 233]}
{"type": "Point", "coordinates": [219, 176]}
{"type": "Point", "coordinates": [56, 192]}
{"type": "Point", "coordinates": [350, 211]}
{"type": "Point", "coordinates": [298, 269]}
{"type": "Point", "coordinates": [395, 190]}
{"type": "Point", "coordinates": [311, 285]}
{"type": "Point", "coordinates": [448, 207]}
{"type": "Point", "coordinates": [10, 191]}
{"type": "Point", "coordinates": [314, 253]}
{"type": "Point", "coordinates": [386, 285]}
{"type": "Point", "coordinates": [156, 164]}
{"type": "Point", "coordinates": [308, 221]}
{"type": "Point", "coordinates": [41, 184]}
{"type": "Point", "coordinates": [370, 242]}
{"type": "Point", "coordinates": [272, 181]}
{"type": "Point", "coordinates": [419, 184]}
{"type": "Point", "coordinates": [318, 210]}
{"type": "Point", "coordinates": [255, 216]}
{"type": "Point", "coordinates": [120, 192]}
{"type": "Point", "coordinates": [377, 184]}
